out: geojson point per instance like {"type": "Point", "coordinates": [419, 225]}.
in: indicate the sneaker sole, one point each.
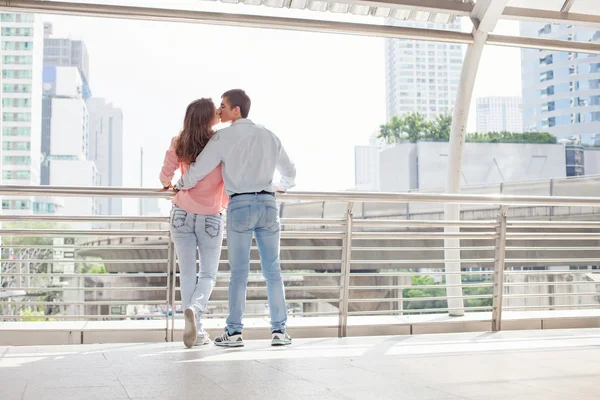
{"type": "Point", "coordinates": [229, 344]}
{"type": "Point", "coordinates": [281, 343]}
{"type": "Point", "coordinates": [190, 332]}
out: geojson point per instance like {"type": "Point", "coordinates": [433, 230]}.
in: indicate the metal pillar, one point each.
{"type": "Point", "coordinates": [499, 257]}
{"type": "Point", "coordinates": [345, 273]}
{"type": "Point", "coordinates": [455, 156]}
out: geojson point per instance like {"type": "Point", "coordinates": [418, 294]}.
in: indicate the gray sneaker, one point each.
{"type": "Point", "coordinates": [227, 340]}
{"type": "Point", "coordinates": [190, 332]}
{"type": "Point", "coordinates": [202, 339]}
{"type": "Point", "coordinates": [280, 338]}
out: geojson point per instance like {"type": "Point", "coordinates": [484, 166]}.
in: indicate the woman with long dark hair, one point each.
{"type": "Point", "coordinates": [196, 220]}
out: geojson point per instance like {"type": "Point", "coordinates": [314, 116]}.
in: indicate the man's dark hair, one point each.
{"type": "Point", "coordinates": [238, 98]}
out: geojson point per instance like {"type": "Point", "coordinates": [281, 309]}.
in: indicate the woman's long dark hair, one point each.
{"type": "Point", "coordinates": [197, 130]}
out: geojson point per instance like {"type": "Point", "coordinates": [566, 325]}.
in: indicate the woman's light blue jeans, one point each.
{"type": "Point", "coordinates": [191, 233]}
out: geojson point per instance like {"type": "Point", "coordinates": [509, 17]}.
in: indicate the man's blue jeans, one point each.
{"type": "Point", "coordinates": [256, 214]}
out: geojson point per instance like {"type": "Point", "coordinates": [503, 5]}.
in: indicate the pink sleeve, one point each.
{"type": "Point", "coordinates": [170, 164]}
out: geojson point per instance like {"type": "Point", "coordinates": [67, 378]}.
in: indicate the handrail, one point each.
{"type": "Point", "coordinates": [366, 197]}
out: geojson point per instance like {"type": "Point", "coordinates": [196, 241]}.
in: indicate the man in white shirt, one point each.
{"type": "Point", "coordinates": [250, 155]}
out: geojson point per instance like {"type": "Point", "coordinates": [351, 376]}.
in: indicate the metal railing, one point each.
{"type": "Point", "coordinates": [339, 268]}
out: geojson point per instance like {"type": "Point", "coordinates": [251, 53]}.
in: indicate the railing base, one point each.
{"type": "Point", "coordinates": [73, 332]}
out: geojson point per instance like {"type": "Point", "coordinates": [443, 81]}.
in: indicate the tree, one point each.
{"type": "Point", "coordinates": [392, 131]}
{"type": "Point", "coordinates": [431, 292]}
{"type": "Point", "coordinates": [414, 127]}
{"type": "Point", "coordinates": [439, 129]}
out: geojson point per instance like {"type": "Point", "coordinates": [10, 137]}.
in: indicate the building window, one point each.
{"type": "Point", "coordinates": [551, 122]}
{"type": "Point", "coordinates": [17, 46]}
{"type": "Point", "coordinates": [16, 103]}
{"type": "Point", "coordinates": [545, 30]}
{"type": "Point", "coordinates": [18, 60]}
{"type": "Point", "coordinates": [16, 88]}
{"type": "Point", "coordinates": [546, 76]}
{"type": "Point", "coordinates": [546, 60]}
{"type": "Point", "coordinates": [549, 91]}
{"type": "Point", "coordinates": [17, 160]}
{"type": "Point", "coordinates": [16, 117]}
{"type": "Point", "coordinates": [16, 145]}
{"type": "Point", "coordinates": [21, 175]}
{"type": "Point", "coordinates": [16, 131]}
{"type": "Point", "coordinates": [16, 31]}
{"type": "Point", "coordinates": [17, 74]}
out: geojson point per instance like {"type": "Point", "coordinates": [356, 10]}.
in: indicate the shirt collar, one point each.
{"type": "Point", "coordinates": [242, 121]}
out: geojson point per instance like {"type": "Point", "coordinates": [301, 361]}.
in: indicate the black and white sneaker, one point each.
{"type": "Point", "coordinates": [227, 340]}
{"type": "Point", "coordinates": [280, 338]}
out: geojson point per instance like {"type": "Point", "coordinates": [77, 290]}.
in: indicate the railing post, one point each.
{"type": "Point", "coordinates": [173, 278]}
{"type": "Point", "coordinates": [499, 257]}
{"type": "Point", "coordinates": [345, 273]}
{"type": "Point", "coordinates": [170, 256]}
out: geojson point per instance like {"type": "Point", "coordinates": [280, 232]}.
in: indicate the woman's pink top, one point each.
{"type": "Point", "coordinates": [207, 197]}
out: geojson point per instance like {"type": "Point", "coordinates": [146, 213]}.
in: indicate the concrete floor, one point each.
{"type": "Point", "coordinates": [549, 365]}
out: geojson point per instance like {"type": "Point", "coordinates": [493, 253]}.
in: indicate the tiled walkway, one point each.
{"type": "Point", "coordinates": [548, 365]}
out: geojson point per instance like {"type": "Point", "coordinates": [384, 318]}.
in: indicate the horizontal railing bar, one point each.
{"type": "Point", "coordinates": [553, 260]}
{"type": "Point", "coordinates": [526, 284]}
{"type": "Point", "coordinates": [301, 248]}
{"type": "Point", "coordinates": [527, 248]}
{"type": "Point", "coordinates": [474, 260]}
{"type": "Point", "coordinates": [415, 311]}
{"type": "Point", "coordinates": [537, 272]}
{"type": "Point", "coordinates": [552, 236]}
{"type": "Point", "coordinates": [83, 247]}
{"type": "Point", "coordinates": [79, 261]}
{"type": "Point", "coordinates": [512, 296]}
{"type": "Point", "coordinates": [409, 274]}
{"type": "Point", "coordinates": [552, 306]}
{"type": "Point", "coordinates": [283, 273]}
{"type": "Point", "coordinates": [306, 288]}
{"type": "Point", "coordinates": [289, 262]}
{"type": "Point", "coordinates": [89, 275]}
{"type": "Point", "coordinates": [78, 317]}
{"type": "Point", "coordinates": [399, 299]}
{"type": "Point", "coordinates": [443, 198]}
{"type": "Point", "coordinates": [74, 303]}
{"type": "Point", "coordinates": [424, 235]}
{"type": "Point", "coordinates": [423, 223]}
{"type": "Point", "coordinates": [347, 196]}
{"type": "Point", "coordinates": [288, 301]}
{"type": "Point", "coordinates": [91, 218]}
{"type": "Point", "coordinates": [85, 289]}
{"type": "Point", "coordinates": [83, 232]}
{"type": "Point", "coordinates": [553, 224]}
{"type": "Point", "coordinates": [316, 313]}
{"type": "Point", "coordinates": [312, 221]}
{"type": "Point", "coordinates": [471, 248]}
{"type": "Point", "coordinates": [441, 286]}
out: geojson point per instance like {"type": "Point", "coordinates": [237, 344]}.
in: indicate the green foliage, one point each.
{"type": "Point", "coordinates": [441, 292]}
{"type": "Point", "coordinates": [22, 240]}
{"type": "Point", "coordinates": [512, 137]}
{"type": "Point", "coordinates": [414, 127]}
{"type": "Point", "coordinates": [35, 315]}
{"type": "Point", "coordinates": [433, 292]}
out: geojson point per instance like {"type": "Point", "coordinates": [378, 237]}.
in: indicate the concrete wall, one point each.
{"type": "Point", "coordinates": [423, 165]}
{"type": "Point", "coordinates": [591, 157]}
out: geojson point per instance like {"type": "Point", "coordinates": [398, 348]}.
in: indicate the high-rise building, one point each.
{"type": "Point", "coordinates": [499, 114]}
{"type": "Point", "coordinates": [64, 52]}
{"type": "Point", "coordinates": [21, 38]}
{"type": "Point", "coordinates": [66, 120]}
{"type": "Point", "coordinates": [106, 150]}
{"type": "Point", "coordinates": [561, 90]}
{"type": "Point", "coordinates": [421, 76]}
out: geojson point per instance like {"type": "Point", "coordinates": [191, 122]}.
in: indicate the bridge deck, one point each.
{"type": "Point", "coordinates": [549, 365]}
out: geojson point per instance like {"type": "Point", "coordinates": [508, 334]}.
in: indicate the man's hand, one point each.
{"type": "Point", "coordinates": [279, 190]}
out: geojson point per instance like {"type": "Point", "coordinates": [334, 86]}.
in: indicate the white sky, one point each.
{"type": "Point", "coordinates": [322, 94]}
